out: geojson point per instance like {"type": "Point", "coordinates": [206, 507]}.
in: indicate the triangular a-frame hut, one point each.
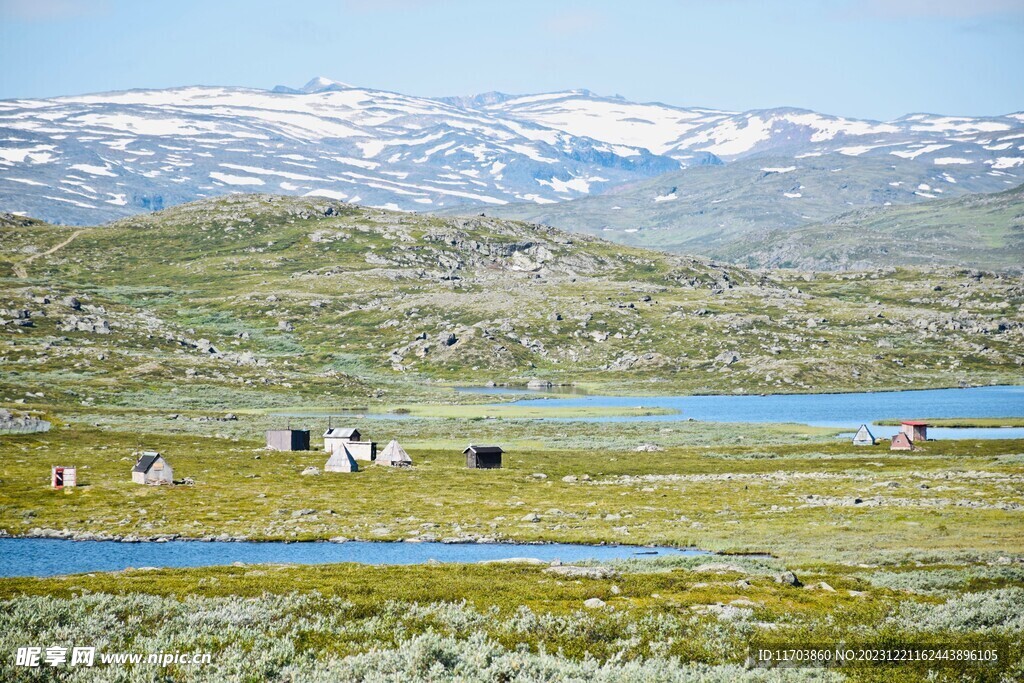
{"type": "Point", "coordinates": [901, 442]}
{"type": "Point", "coordinates": [341, 460]}
{"type": "Point", "coordinates": [864, 437]}
{"type": "Point", "coordinates": [394, 456]}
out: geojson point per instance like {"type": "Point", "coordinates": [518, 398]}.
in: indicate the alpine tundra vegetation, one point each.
{"type": "Point", "coordinates": [253, 311]}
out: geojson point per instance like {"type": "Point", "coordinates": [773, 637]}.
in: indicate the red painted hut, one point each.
{"type": "Point", "coordinates": [901, 442]}
{"type": "Point", "coordinates": [916, 430]}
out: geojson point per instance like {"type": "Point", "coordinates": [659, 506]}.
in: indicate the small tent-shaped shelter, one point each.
{"type": "Point", "coordinates": [151, 468]}
{"type": "Point", "coordinates": [483, 457]}
{"type": "Point", "coordinates": [341, 460]}
{"type": "Point", "coordinates": [901, 442]}
{"type": "Point", "coordinates": [863, 437]}
{"type": "Point", "coordinates": [394, 456]}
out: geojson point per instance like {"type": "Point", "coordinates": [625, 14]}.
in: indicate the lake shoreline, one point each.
{"type": "Point", "coordinates": [92, 537]}
{"type": "Point", "coordinates": [46, 557]}
{"type": "Point", "coordinates": [599, 390]}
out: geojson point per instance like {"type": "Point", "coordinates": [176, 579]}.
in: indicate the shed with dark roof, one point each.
{"type": "Point", "coordinates": [151, 468]}
{"type": "Point", "coordinates": [483, 457]}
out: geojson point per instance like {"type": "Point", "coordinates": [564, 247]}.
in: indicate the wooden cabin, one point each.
{"type": "Point", "coordinates": [151, 468]}
{"type": "Point", "coordinates": [288, 439]}
{"type": "Point", "coordinates": [916, 430]}
{"type": "Point", "coordinates": [901, 442]}
{"type": "Point", "coordinates": [483, 457]}
{"type": "Point", "coordinates": [863, 437]}
{"type": "Point", "coordinates": [335, 437]}
{"type": "Point", "coordinates": [63, 477]}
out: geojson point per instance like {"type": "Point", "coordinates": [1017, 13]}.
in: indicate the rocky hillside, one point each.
{"type": "Point", "coordinates": [262, 301]}
{"type": "Point", "coordinates": [719, 210]}
{"type": "Point", "coordinates": [978, 230]}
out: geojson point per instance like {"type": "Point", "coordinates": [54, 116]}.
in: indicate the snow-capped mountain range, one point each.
{"type": "Point", "coordinates": [91, 158]}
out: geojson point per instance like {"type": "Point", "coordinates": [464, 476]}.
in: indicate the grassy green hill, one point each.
{"type": "Point", "coordinates": [257, 301]}
{"type": "Point", "coordinates": [981, 230]}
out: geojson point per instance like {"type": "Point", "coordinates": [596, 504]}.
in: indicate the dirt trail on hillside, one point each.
{"type": "Point", "coordinates": [19, 268]}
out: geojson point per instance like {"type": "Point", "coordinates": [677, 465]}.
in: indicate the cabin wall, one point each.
{"type": "Point", "coordinates": [288, 440]}
{"type": "Point", "coordinates": [161, 476]}
{"type": "Point", "coordinates": [155, 475]}
{"type": "Point", "coordinates": [915, 432]}
{"type": "Point", "coordinates": [279, 440]}
{"type": "Point", "coordinates": [300, 440]}
{"type": "Point", "coordinates": [68, 477]}
{"type": "Point", "coordinates": [482, 461]}
{"type": "Point", "coordinates": [360, 450]}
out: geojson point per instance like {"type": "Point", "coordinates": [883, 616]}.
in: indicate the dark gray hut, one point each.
{"type": "Point", "coordinates": [483, 457]}
{"type": "Point", "coordinates": [288, 439]}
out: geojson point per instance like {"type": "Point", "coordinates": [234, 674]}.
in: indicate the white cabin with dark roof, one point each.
{"type": "Point", "coordinates": [151, 468]}
{"type": "Point", "coordinates": [337, 437]}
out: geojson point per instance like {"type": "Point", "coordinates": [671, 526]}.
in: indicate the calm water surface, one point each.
{"type": "Point", "coordinates": [825, 410]}
{"type": "Point", "coordinates": [819, 410]}
{"type": "Point", "coordinates": [49, 557]}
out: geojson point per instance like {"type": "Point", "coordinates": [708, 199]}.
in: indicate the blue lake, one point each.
{"type": "Point", "coordinates": [50, 557]}
{"type": "Point", "coordinates": [824, 410]}
{"type": "Point", "coordinates": [847, 411]}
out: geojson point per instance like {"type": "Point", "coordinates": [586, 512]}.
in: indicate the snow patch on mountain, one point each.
{"type": "Point", "coordinates": [145, 149]}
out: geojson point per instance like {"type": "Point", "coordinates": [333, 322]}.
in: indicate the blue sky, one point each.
{"type": "Point", "coordinates": [864, 58]}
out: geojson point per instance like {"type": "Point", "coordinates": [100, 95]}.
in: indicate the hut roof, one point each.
{"type": "Point", "coordinates": [394, 453]}
{"type": "Point", "coordinates": [341, 460]}
{"type": "Point", "coordinates": [339, 433]}
{"type": "Point", "coordinates": [484, 450]}
{"type": "Point", "coordinates": [902, 441]}
{"type": "Point", "coordinates": [863, 435]}
{"type": "Point", "coordinates": [146, 461]}
{"type": "Point", "coordinates": [915, 423]}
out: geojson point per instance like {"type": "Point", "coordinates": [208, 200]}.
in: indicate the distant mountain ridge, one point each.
{"type": "Point", "coordinates": [92, 158]}
{"type": "Point", "coordinates": [705, 210]}
{"type": "Point", "coordinates": [976, 230]}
